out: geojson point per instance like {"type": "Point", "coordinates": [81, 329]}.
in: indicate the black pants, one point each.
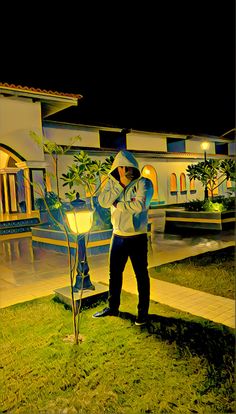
{"type": "Point", "coordinates": [135, 247]}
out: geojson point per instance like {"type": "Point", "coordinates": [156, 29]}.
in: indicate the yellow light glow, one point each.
{"type": "Point", "coordinates": [80, 222]}
{"type": "Point", "coordinates": [146, 171]}
{"type": "Point", "coordinates": [205, 145]}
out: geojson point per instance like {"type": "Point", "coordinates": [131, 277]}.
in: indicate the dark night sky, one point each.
{"type": "Point", "coordinates": [167, 67]}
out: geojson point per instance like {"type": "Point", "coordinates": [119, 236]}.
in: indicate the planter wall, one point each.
{"type": "Point", "coordinates": [49, 238]}
{"type": "Point", "coordinates": [179, 220]}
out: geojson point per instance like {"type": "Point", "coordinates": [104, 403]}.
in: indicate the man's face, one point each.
{"type": "Point", "coordinates": [127, 172]}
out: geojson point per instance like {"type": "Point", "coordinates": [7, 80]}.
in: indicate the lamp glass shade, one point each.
{"type": "Point", "coordinates": [205, 145]}
{"type": "Point", "coordinates": [80, 221]}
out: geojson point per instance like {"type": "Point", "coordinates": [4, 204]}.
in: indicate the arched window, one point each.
{"type": "Point", "coordinates": [8, 158]}
{"type": "Point", "coordinates": [149, 171]}
{"type": "Point", "coordinates": [192, 186]}
{"type": "Point", "coordinates": [173, 183]}
{"type": "Point", "coordinates": [182, 183]}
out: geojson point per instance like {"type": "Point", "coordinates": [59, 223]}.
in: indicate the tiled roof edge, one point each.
{"type": "Point", "coordinates": [40, 91]}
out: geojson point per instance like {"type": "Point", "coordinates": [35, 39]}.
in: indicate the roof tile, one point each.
{"type": "Point", "coordinates": [38, 90]}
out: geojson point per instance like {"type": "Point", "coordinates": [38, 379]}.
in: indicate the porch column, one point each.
{"type": "Point", "coordinates": [6, 194]}
{"type": "Point", "coordinates": [27, 191]}
{"type": "Point", "coordinates": [27, 166]}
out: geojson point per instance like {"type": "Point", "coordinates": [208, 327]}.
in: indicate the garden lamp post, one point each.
{"type": "Point", "coordinates": [80, 221]}
{"type": "Point", "coordinates": [205, 146]}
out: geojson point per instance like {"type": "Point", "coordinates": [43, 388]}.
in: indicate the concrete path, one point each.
{"type": "Point", "coordinates": [27, 273]}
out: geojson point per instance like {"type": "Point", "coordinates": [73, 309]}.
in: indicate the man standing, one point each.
{"type": "Point", "coordinates": [129, 196]}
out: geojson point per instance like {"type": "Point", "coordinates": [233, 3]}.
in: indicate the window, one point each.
{"type": "Point", "coordinates": [192, 186]}
{"type": "Point", "coordinates": [149, 171]}
{"type": "Point", "coordinates": [173, 184]}
{"type": "Point", "coordinates": [11, 162]}
{"type": "Point", "coordinates": [183, 183]}
{"type": "Point", "coordinates": [38, 186]}
{"type": "Point", "coordinates": [221, 148]}
{"type": "Point", "coordinates": [228, 183]}
{"type": "Point", "coordinates": [175, 145]}
{"type": "Point", "coordinates": [112, 140]}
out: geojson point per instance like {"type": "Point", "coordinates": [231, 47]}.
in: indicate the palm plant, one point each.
{"type": "Point", "coordinates": [88, 173]}
{"type": "Point", "coordinates": [212, 173]}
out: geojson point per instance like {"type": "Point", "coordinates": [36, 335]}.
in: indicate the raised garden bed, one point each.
{"type": "Point", "coordinates": [179, 220]}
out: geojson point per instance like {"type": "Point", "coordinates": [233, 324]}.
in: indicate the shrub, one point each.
{"type": "Point", "coordinates": [194, 205]}
{"type": "Point", "coordinates": [228, 202]}
{"type": "Point", "coordinates": [212, 206]}
{"type": "Point", "coordinates": [219, 203]}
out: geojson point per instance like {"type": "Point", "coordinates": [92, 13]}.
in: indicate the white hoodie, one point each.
{"type": "Point", "coordinates": [130, 216]}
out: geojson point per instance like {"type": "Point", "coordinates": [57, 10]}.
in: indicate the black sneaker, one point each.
{"type": "Point", "coordinates": [106, 312]}
{"type": "Point", "coordinates": [141, 320]}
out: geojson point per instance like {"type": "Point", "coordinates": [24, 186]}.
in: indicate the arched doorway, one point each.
{"type": "Point", "coordinates": [149, 171]}
{"type": "Point", "coordinates": [11, 181]}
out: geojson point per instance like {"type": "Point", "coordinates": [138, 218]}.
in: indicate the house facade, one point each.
{"type": "Point", "coordinates": [24, 167]}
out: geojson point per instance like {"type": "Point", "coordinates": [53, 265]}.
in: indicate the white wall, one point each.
{"type": "Point", "coordinates": [195, 147]}
{"type": "Point", "coordinates": [232, 148]}
{"type": "Point", "coordinates": [164, 169]}
{"type": "Point", "coordinates": [145, 142]}
{"type": "Point", "coordinates": [62, 135]}
{"type": "Point", "coordinates": [17, 118]}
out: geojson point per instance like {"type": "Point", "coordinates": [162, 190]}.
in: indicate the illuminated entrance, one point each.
{"type": "Point", "coordinates": [18, 179]}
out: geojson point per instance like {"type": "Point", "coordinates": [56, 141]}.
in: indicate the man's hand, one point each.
{"type": "Point", "coordinates": [124, 180]}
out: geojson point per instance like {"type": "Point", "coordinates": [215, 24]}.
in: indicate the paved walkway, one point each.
{"type": "Point", "coordinates": [27, 273]}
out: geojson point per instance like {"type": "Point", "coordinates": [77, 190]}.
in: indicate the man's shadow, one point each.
{"type": "Point", "coordinates": [213, 341]}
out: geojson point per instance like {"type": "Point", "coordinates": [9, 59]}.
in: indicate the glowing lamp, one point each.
{"type": "Point", "coordinates": [146, 171]}
{"type": "Point", "coordinates": [205, 145]}
{"type": "Point", "coordinates": [80, 221]}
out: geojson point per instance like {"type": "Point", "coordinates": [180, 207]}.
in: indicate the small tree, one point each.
{"type": "Point", "coordinates": [54, 150]}
{"type": "Point", "coordinates": [85, 172]}
{"type": "Point", "coordinates": [88, 173]}
{"type": "Point", "coordinates": [212, 173]}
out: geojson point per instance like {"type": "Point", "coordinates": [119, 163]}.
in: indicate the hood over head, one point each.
{"type": "Point", "coordinates": [124, 159]}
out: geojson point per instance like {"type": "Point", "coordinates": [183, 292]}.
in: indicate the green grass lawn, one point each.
{"type": "Point", "coordinates": [212, 272]}
{"type": "Point", "coordinates": [179, 363]}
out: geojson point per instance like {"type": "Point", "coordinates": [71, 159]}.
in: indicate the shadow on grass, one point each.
{"type": "Point", "coordinates": [214, 343]}
{"type": "Point", "coordinates": [203, 338]}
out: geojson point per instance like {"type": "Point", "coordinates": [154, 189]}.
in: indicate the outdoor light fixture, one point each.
{"type": "Point", "coordinates": [80, 221]}
{"type": "Point", "coordinates": [205, 145]}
